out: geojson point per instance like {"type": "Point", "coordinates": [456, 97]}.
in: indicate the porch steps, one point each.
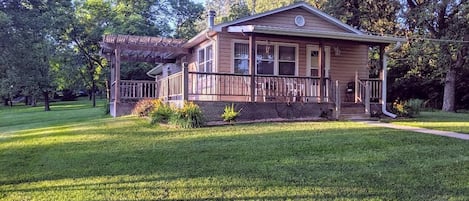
{"type": "Point", "coordinates": [353, 111]}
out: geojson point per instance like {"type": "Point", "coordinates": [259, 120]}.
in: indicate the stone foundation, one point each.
{"type": "Point", "coordinates": [257, 111]}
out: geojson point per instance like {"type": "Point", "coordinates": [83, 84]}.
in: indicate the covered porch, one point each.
{"type": "Point", "coordinates": [187, 85]}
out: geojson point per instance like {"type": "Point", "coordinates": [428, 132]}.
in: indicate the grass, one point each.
{"type": "Point", "coordinates": [446, 121]}
{"type": "Point", "coordinates": [79, 154]}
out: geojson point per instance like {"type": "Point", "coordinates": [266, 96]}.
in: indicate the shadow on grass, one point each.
{"type": "Point", "coordinates": [389, 163]}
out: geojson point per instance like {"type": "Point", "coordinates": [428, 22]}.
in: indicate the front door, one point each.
{"type": "Point", "coordinates": [312, 69]}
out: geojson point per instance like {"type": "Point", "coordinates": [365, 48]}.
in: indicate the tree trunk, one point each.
{"type": "Point", "coordinates": [93, 92]}
{"type": "Point", "coordinates": [451, 77]}
{"type": "Point", "coordinates": [26, 100]}
{"type": "Point", "coordinates": [449, 91]}
{"type": "Point", "coordinates": [5, 101]}
{"type": "Point", "coordinates": [46, 101]}
{"type": "Point", "coordinates": [33, 101]}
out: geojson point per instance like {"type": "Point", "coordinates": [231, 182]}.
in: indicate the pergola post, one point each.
{"type": "Point", "coordinates": [117, 79]}
{"type": "Point", "coordinates": [185, 81]}
{"type": "Point", "coordinates": [252, 64]}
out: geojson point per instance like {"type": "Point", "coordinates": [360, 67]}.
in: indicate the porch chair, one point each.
{"type": "Point", "coordinates": [350, 92]}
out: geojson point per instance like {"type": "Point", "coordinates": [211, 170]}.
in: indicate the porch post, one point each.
{"type": "Point", "coordinates": [117, 79]}
{"type": "Point", "coordinates": [381, 63]}
{"type": "Point", "coordinates": [357, 87]}
{"type": "Point", "coordinates": [322, 74]}
{"type": "Point", "coordinates": [367, 97]}
{"type": "Point", "coordinates": [252, 64]}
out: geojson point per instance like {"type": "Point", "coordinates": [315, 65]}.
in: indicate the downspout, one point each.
{"type": "Point", "coordinates": [385, 79]}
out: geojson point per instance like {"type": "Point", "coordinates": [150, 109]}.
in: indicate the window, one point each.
{"type": "Point", "coordinates": [265, 59]}
{"type": "Point", "coordinates": [287, 60]}
{"type": "Point", "coordinates": [271, 59]}
{"type": "Point", "coordinates": [205, 59]}
{"type": "Point", "coordinates": [314, 68]}
{"type": "Point", "coordinates": [241, 58]}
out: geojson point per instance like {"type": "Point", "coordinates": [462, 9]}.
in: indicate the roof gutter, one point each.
{"type": "Point", "coordinates": [385, 79]}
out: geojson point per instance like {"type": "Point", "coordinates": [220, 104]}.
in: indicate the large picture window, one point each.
{"type": "Point", "coordinates": [205, 59]}
{"type": "Point", "coordinates": [271, 59]}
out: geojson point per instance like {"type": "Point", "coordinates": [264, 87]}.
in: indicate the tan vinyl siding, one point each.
{"type": "Point", "coordinates": [286, 19]}
{"type": "Point", "coordinates": [352, 58]}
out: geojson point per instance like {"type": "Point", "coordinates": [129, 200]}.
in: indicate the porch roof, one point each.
{"type": "Point", "coordinates": [143, 48]}
{"type": "Point", "coordinates": [314, 34]}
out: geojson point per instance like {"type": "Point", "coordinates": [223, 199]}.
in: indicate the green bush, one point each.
{"type": "Point", "coordinates": [107, 107]}
{"type": "Point", "coordinates": [230, 114]}
{"type": "Point", "coordinates": [161, 113]}
{"type": "Point", "coordinates": [144, 107]}
{"type": "Point", "coordinates": [414, 106]}
{"type": "Point", "coordinates": [410, 108]}
{"type": "Point", "coordinates": [189, 116]}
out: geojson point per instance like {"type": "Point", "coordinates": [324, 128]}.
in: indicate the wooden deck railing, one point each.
{"type": "Point", "coordinates": [170, 88]}
{"type": "Point", "coordinates": [220, 86]}
{"type": "Point", "coordinates": [375, 88]}
{"type": "Point", "coordinates": [137, 89]}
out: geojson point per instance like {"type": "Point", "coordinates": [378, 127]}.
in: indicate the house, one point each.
{"type": "Point", "coordinates": [291, 62]}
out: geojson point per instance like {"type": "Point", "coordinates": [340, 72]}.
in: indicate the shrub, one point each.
{"type": "Point", "coordinates": [414, 106]}
{"type": "Point", "coordinates": [161, 113]}
{"type": "Point", "coordinates": [107, 107]}
{"type": "Point", "coordinates": [230, 114]}
{"type": "Point", "coordinates": [144, 107]}
{"type": "Point", "coordinates": [410, 108]}
{"type": "Point", "coordinates": [189, 116]}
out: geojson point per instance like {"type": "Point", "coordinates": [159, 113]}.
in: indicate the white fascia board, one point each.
{"type": "Point", "coordinates": [195, 40]}
{"type": "Point", "coordinates": [241, 29]}
{"type": "Point", "coordinates": [316, 34]}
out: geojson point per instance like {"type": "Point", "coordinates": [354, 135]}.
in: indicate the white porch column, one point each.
{"type": "Point", "coordinates": [117, 68]}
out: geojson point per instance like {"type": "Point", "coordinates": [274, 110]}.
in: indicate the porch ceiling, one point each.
{"type": "Point", "coordinates": [143, 48]}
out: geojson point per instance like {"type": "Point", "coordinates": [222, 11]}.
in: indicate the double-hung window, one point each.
{"type": "Point", "coordinates": [265, 59]}
{"type": "Point", "coordinates": [205, 59]}
{"type": "Point", "coordinates": [241, 58]}
{"type": "Point", "coordinates": [286, 60]}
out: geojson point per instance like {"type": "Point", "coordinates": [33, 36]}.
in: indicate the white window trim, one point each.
{"type": "Point", "coordinates": [233, 42]}
{"type": "Point", "coordinates": [205, 54]}
{"type": "Point", "coordinates": [327, 50]}
{"type": "Point", "coordinates": [276, 54]}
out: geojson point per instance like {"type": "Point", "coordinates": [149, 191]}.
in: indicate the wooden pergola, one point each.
{"type": "Point", "coordinates": [127, 48]}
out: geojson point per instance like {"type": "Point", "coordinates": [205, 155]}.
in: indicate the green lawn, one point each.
{"type": "Point", "coordinates": [456, 122]}
{"type": "Point", "coordinates": [79, 154]}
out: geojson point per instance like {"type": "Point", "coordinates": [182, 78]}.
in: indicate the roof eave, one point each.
{"type": "Point", "coordinates": [316, 34]}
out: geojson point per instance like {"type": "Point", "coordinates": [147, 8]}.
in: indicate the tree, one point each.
{"type": "Point", "coordinates": [31, 31]}
{"type": "Point", "coordinates": [184, 14]}
{"type": "Point", "coordinates": [446, 22]}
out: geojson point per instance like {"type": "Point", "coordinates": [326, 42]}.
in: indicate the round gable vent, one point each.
{"type": "Point", "coordinates": [299, 20]}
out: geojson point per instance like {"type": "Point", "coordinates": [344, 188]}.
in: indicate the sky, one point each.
{"type": "Point", "coordinates": [199, 1]}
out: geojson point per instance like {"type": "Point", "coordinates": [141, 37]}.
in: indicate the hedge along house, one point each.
{"type": "Point", "coordinates": [291, 62]}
